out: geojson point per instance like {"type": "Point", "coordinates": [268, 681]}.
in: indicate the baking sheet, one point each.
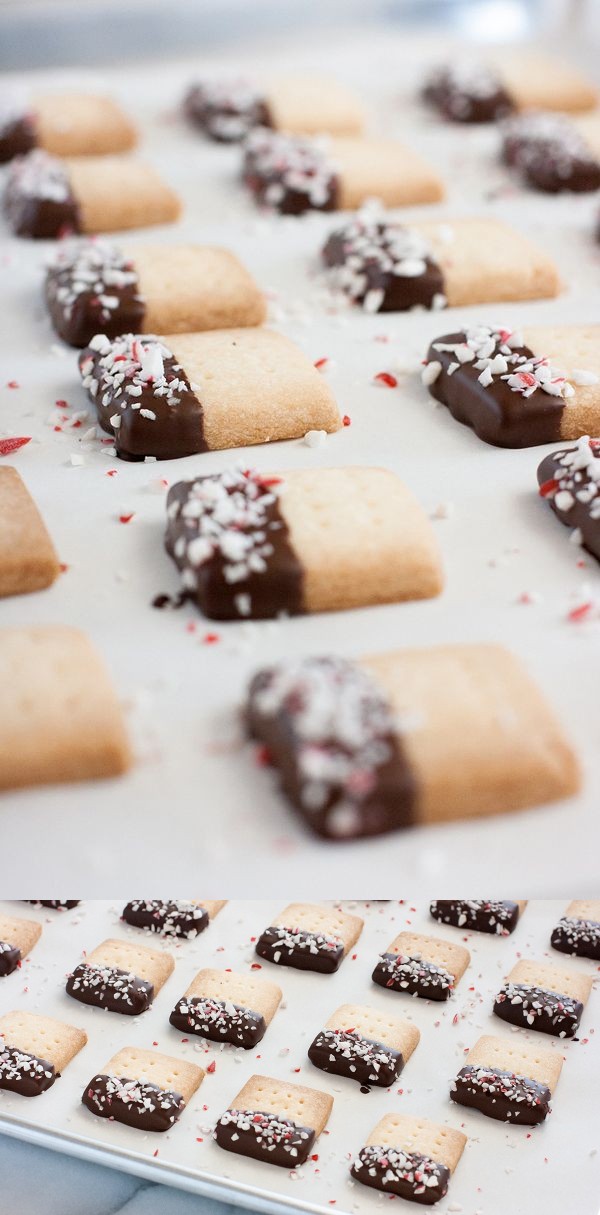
{"type": "Point", "coordinates": [195, 787]}
{"type": "Point", "coordinates": [504, 1168]}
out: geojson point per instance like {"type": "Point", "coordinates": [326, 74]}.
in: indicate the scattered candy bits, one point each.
{"type": "Point", "coordinates": [126, 518]}
{"type": "Point", "coordinates": [8, 446]}
{"type": "Point", "coordinates": [347, 421]}
{"type": "Point", "coordinates": [386, 379]}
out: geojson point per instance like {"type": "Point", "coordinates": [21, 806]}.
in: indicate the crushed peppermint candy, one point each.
{"type": "Point", "coordinates": [18, 1067]}
{"type": "Point", "coordinates": [205, 1015]}
{"type": "Point", "coordinates": [370, 260]}
{"type": "Point", "coordinates": [94, 268]}
{"type": "Point", "coordinates": [356, 1054]}
{"type": "Point", "coordinates": [536, 1004]}
{"type": "Point", "coordinates": [413, 974]}
{"type": "Point", "coordinates": [497, 354]}
{"type": "Point", "coordinates": [394, 1165]}
{"type": "Point", "coordinates": [143, 1100]}
{"type": "Point", "coordinates": [129, 367]}
{"type": "Point", "coordinates": [38, 175]}
{"type": "Point", "coordinates": [277, 166]}
{"type": "Point", "coordinates": [577, 477]}
{"type": "Point", "coordinates": [272, 1134]}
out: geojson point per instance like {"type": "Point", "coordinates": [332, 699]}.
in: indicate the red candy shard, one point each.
{"type": "Point", "coordinates": [548, 488]}
{"type": "Point", "coordinates": [321, 363]}
{"type": "Point", "coordinates": [126, 518]}
{"type": "Point", "coordinates": [384, 377]}
{"type": "Point", "coordinates": [211, 638]}
{"type": "Point", "coordinates": [7, 446]}
{"type": "Point", "coordinates": [346, 420]}
{"type": "Point", "coordinates": [13, 384]}
{"type": "Point", "coordinates": [212, 1067]}
{"type": "Point", "coordinates": [580, 613]}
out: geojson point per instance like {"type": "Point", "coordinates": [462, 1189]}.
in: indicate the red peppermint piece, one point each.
{"type": "Point", "coordinates": [112, 472]}
{"type": "Point", "coordinates": [267, 481]}
{"type": "Point", "coordinates": [264, 757]}
{"type": "Point", "coordinates": [580, 613]}
{"type": "Point", "coordinates": [386, 379]}
{"type": "Point", "coordinates": [346, 421]}
{"type": "Point", "coordinates": [548, 487]}
{"type": "Point", "coordinates": [7, 446]}
{"type": "Point", "coordinates": [126, 518]}
{"type": "Point", "coordinates": [212, 1067]}
{"type": "Point", "coordinates": [13, 384]}
{"type": "Point", "coordinates": [256, 966]}
{"type": "Point", "coordinates": [321, 363]}
{"type": "Point", "coordinates": [210, 638]}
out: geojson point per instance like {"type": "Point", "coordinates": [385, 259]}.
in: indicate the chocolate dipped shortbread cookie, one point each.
{"type": "Point", "coordinates": [578, 930]}
{"type": "Point", "coordinates": [410, 1157]}
{"type": "Point", "coordinates": [121, 977]}
{"type": "Point", "coordinates": [541, 996]}
{"type": "Point", "coordinates": [308, 937]}
{"type": "Point", "coordinates": [184, 393]}
{"type": "Point", "coordinates": [227, 110]}
{"type": "Point", "coordinates": [553, 153]}
{"type": "Point", "coordinates": [46, 197]}
{"type": "Point", "coordinates": [34, 1051]}
{"type": "Point", "coordinates": [227, 1007]}
{"type": "Point", "coordinates": [570, 481]}
{"type": "Point", "coordinates": [143, 1089]}
{"type": "Point", "coordinates": [472, 91]}
{"type": "Point", "coordinates": [17, 939]}
{"type": "Point", "coordinates": [370, 746]}
{"type": "Point", "coordinates": [273, 1121]}
{"type": "Point", "coordinates": [390, 267]}
{"type": "Point", "coordinates": [251, 545]}
{"type": "Point", "coordinates": [96, 287]}
{"type": "Point", "coordinates": [497, 916]}
{"type": "Point", "coordinates": [364, 1045]}
{"type": "Point", "coordinates": [519, 389]}
{"type": "Point", "coordinates": [172, 917]}
{"type": "Point", "coordinates": [416, 965]}
{"type": "Point", "coordinates": [28, 559]}
{"type": "Point", "coordinates": [292, 174]}
{"type": "Point", "coordinates": [508, 1081]}
{"type": "Point", "coordinates": [64, 124]}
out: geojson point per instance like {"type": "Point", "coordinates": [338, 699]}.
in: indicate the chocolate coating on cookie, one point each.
{"type": "Point", "coordinates": [570, 481]}
{"type": "Point", "coordinates": [264, 1137]}
{"type": "Point", "coordinates": [92, 288]}
{"type": "Point", "coordinates": [111, 988]}
{"type": "Point", "coordinates": [580, 938]}
{"type": "Point", "coordinates": [134, 1102]}
{"type": "Point", "coordinates": [410, 1175]}
{"type": "Point", "coordinates": [477, 915]}
{"type": "Point", "coordinates": [231, 543]}
{"type": "Point", "coordinates": [219, 1021]}
{"type": "Point", "coordinates": [55, 904]}
{"type": "Point", "coordinates": [413, 977]}
{"type": "Point", "coordinates": [226, 110]}
{"type": "Point", "coordinates": [550, 154]}
{"type": "Point", "coordinates": [386, 267]}
{"type": "Point", "coordinates": [331, 734]}
{"type": "Point", "coordinates": [289, 173]}
{"type": "Point", "coordinates": [301, 950]}
{"type": "Point", "coordinates": [502, 1095]}
{"type": "Point", "coordinates": [17, 137]}
{"type": "Point", "coordinates": [468, 92]}
{"type": "Point", "coordinates": [167, 917]}
{"type": "Point", "coordinates": [38, 199]}
{"type": "Point", "coordinates": [491, 381]}
{"type": "Point", "coordinates": [347, 1053]}
{"type": "Point", "coordinates": [143, 397]}
{"type": "Point", "coordinates": [10, 958]}
{"type": "Point", "coordinates": [23, 1073]}
{"type": "Point", "coordinates": [537, 1008]}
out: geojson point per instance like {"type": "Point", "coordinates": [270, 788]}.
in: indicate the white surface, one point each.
{"type": "Point", "coordinates": [500, 541]}
{"type": "Point", "coordinates": [502, 1165]}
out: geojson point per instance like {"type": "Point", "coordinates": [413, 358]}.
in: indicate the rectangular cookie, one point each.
{"type": "Point", "coordinates": [34, 1051]}
{"type": "Point", "coordinates": [94, 286]}
{"type": "Point", "coordinates": [539, 995]}
{"type": "Point", "coordinates": [227, 1007]}
{"type": "Point", "coordinates": [578, 931]}
{"type": "Point", "coordinates": [508, 1081]}
{"type": "Point", "coordinates": [28, 561]}
{"type": "Point", "coordinates": [497, 916]}
{"type": "Point", "coordinates": [143, 1089]}
{"type": "Point", "coordinates": [172, 917]}
{"type": "Point", "coordinates": [186, 393]}
{"type": "Point", "coordinates": [63, 124]}
{"type": "Point", "coordinates": [250, 544]}
{"type": "Point", "coordinates": [309, 105]}
{"type": "Point", "coordinates": [47, 197]}
{"type": "Point", "coordinates": [472, 91]}
{"type": "Point", "coordinates": [410, 1157]}
{"type": "Point", "coordinates": [120, 976]}
{"type": "Point", "coordinates": [519, 389]}
{"type": "Point", "coordinates": [308, 937]}
{"type": "Point", "coordinates": [49, 678]}
{"type": "Point", "coordinates": [423, 966]}
{"type": "Point", "coordinates": [437, 734]}
{"type": "Point", "coordinates": [391, 267]}
{"type": "Point", "coordinates": [273, 1121]}
{"type": "Point", "coordinates": [364, 1045]}
{"type": "Point", "coordinates": [17, 939]}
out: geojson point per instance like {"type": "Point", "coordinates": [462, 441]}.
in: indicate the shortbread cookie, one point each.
{"type": "Point", "coordinates": [274, 1121]}
{"type": "Point", "coordinates": [578, 931]}
{"type": "Point", "coordinates": [64, 124]}
{"type": "Point", "coordinates": [499, 917]}
{"type": "Point", "coordinates": [227, 110]}
{"type": "Point", "coordinates": [143, 1089]}
{"type": "Point", "coordinates": [308, 937]}
{"type": "Point", "coordinates": [28, 561]}
{"type": "Point", "coordinates": [364, 1045]}
{"type": "Point", "coordinates": [34, 1051]}
{"type": "Point", "coordinates": [410, 1157]}
{"type": "Point", "coordinates": [570, 481]}
{"type": "Point", "coordinates": [390, 267]}
{"type": "Point", "coordinates": [308, 540]}
{"type": "Point", "coordinates": [507, 1080]}
{"type": "Point", "coordinates": [422, 966]}
{"type": "Point", "coordinates": [519, 389]}
{"type": "Point", "coordinates": [172, 917]}
{"type": "Point", "coordinates": [17, 939]}
{"type": "Point", "coordinates": [48, 197]}
{"type": "Point", "coordinates": [176, 395]}
{"type": "Point", "coordinates": [292, 174]}
{"type": "Point", "coordinates": [120, 976]}
{"type": "Point", "coordinates": [227, 1007]}
{"type": "Point", "coordinates": [541, 996]}
{"type": "Point", "coordinates": [475, 91]}
{"type": "Point", "coordinates": [551, 153]}
{"type": "Point", "coordinates": [371, 746]}
{"type": "Point", "coordinates": [50, 678]}
{"type": "Point", "coordinates": [93, 286]}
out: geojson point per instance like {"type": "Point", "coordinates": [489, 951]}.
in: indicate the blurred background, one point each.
{"type": "Point", "coordinates": [49, 33]}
